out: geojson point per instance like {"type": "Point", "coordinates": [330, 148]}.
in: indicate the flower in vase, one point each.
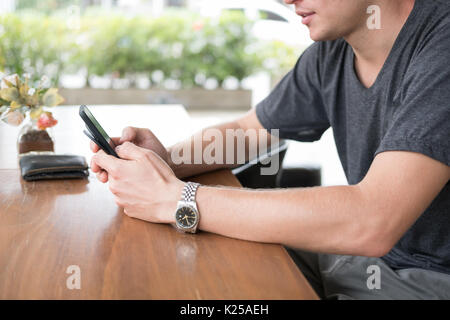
{"type": "Point", "coordinates": [14, 118]}
{"type": "Point", "coordinates": [17, 98]}
{"type": "Point", "coordinates": [46, 120]}
{"type": "Point", "coordinates": [8, 81]}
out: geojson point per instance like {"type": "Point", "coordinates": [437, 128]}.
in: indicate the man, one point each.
{"type": "Point", "coordinates": [386, 94]}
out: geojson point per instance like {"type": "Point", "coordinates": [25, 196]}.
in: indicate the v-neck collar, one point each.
{"type": "Point", "coordinates": [351, 55]}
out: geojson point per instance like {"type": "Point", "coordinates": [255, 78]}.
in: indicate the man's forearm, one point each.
{"type": "Point", "coordinates": [237, 144]}
{"type": "Point", "coordinates": [323, 219]}
{"type": "Point", "coordinates": [183, 169]}
{"type": "Point", "coordinates": [365, 219]}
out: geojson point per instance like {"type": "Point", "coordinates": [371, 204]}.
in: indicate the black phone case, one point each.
{"type": "Point", "coordinates": [97, 142]}
{"type": "Point", "coordinates": [95, 134]}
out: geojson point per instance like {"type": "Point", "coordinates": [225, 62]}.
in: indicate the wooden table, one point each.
{"type": "Point", "coordinates": [48, 226]}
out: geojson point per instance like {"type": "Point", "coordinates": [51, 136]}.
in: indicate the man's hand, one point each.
{"type": "Point", "coordinates": [141, 137]}
{"type": "Point", "coordinates": [142, 183]}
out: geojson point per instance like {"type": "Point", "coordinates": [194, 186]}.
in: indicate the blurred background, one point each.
{"type": "Point", "coordinates": [218, 58]}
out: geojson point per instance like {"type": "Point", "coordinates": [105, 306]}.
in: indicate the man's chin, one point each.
{"type": "Point", "coordinates": [316, 35]}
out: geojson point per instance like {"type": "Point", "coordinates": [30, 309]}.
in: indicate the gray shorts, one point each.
{"type": "Point", "coordinates": [354, 277]}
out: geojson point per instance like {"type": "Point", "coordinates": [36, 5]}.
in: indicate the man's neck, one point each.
{"type": "Point", "coordinates": [372, 47]}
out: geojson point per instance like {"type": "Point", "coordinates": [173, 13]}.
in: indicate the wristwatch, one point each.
{"type": "Point", "coordinates": [187, 216]}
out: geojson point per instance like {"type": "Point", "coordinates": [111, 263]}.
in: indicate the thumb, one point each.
{"type": "Point", "coordinates": [130, 151]}
{"type": "Point", "coordinates": [128, 134]}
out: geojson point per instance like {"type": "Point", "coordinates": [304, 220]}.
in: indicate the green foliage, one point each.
{"type": "Point", "coordinates": [113, 44]}
{"type": "Point", "coordinates": [35, 45]}
{"type": "Point", "coordinates": [279, 57]}
{"type": "Point", "coordinates": [181, 45]}
{"type": "Point", "coordinates": [13, 41]}
{"type": "Point", "coordinates": [46, 6]}
{"type": "Point", "coordinates": [229, 50]}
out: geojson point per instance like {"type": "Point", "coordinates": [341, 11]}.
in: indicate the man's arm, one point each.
{"type": "Point", "coordinates": [365, 219]}
{"type": "Point", "coordinates": [248, 122]}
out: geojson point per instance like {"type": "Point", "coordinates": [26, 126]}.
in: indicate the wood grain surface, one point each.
{"type": "Point", "coordinates": [48, 226]}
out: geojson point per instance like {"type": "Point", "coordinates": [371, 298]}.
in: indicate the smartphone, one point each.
{"type": "Point", "coordinates": [96, 133]}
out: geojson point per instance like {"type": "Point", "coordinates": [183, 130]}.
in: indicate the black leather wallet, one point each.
{"type": "Point", "coordinates": [53, 166]}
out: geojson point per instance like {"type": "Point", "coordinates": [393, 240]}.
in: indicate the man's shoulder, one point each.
{"type": "Point", "coordinates": [435, 14]}
{"type": "Point", "coordinates": [445, 4]}
{"type": "Point", "coordinates": [430, 31]}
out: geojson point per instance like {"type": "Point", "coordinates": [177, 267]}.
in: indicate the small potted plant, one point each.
{"type": "Point", "coordinates": [20, 102]}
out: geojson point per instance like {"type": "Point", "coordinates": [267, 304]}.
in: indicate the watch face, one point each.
{"type": "Point", "coordinates": [186, 217]}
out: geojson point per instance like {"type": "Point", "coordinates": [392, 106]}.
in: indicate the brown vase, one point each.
{"type": "Point", "coordinates": [31, 139]}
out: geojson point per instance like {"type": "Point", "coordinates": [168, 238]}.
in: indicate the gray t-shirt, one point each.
{"type": "Point", "coordinates": [407, 108]}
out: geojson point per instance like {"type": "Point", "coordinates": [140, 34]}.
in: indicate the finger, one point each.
{"type": "Point", "coordinates": [116, 140]}
{"type": "Point", "coordinates": [105, 161]}
{"type": "Point", "coordinates": [102, 176]}
{"type": "Point", "coordinates": [130, 151]}
{"type": "Point", "coordinates": [95, 167]}
{"type": "Point", "coordinates": [128, 134]}
{"type": "Point", "coordinates": [94, 147]}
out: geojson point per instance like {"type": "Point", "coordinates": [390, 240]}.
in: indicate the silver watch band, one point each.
{"type": "Point", "coordinates": [189, 191]}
